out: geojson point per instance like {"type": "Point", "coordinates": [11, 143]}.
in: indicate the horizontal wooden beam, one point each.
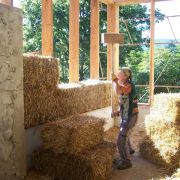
{"type": "Point", "coordinates": [129, 2]}
{"type": "Point", "coordinates": [107, 1]}
{"type": "Point", "coordinates": [7, 2]}
{"type": "Point", "coordinates": [112, 38]}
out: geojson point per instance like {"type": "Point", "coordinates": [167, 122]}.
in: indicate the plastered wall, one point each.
{"type": "Point", "coordinates": [12, 134]}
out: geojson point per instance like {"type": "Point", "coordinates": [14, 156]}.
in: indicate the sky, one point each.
{"type": "Point", "coordinates": [162, 30]}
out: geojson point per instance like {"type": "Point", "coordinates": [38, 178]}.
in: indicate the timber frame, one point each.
{"type": "Point", "coordinates": [112, 27]}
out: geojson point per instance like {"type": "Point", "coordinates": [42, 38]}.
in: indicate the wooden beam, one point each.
{"type": "Point", "coordinates": [94, 42]}
{"type": "Point", "coordinates": [113, 38]}
{"type": "Point", "coordinates": [112, 27]}
{"type": "Point", "coordinates": [7, 2]}
{"type": "Point", "coordinates": [47, 28]}
{"type": "Point", "coordinates": [129, 2]}
{"type": "Point", "coordinates": [74, 41]}
{"type": "Point", "coordinates": [107, 1]}
{"type": "Point", "coordinates": [152, 31]}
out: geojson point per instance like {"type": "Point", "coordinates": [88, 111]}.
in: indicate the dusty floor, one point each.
{"type": "Point", "coordinates": [142, 169]}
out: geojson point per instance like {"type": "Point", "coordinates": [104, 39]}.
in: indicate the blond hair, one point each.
{"type": "Point", "coordinates": [127, 71]}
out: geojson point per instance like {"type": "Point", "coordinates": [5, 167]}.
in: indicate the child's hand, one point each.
{"type": "Point", "coordinates": [113, 77]}
{"type": "Point", "coordinates": [115, 114]}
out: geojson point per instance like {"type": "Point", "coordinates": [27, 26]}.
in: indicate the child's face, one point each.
{"type": "Point", "coordinates": [121, 76]}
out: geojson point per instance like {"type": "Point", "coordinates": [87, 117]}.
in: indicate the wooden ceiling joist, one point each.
{"type": "Point", "coordinates": [7, 2]}
{"type": "Point", "coordinates": [107, 1]}
{"type": "Point", "coordinates": [128, 2]}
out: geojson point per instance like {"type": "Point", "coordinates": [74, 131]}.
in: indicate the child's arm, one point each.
{"type": "Point", "coordinates": [121, 88]}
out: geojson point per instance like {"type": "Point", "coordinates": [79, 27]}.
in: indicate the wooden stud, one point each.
{"type": "Point", "coordinates": [74, 41]}
{"type": "Point", "coordinates": [128, 2]}
{"type": "Point", "coordinates": [112, 27]}
{"type": "Point", "coordinates": [94, 46]}
{"type": "Point", "coordinates": [7, 2]}
{"type": "Point", "coordinates": [47, 28]}
{"type": "Point", "coordinates": [152, 30]}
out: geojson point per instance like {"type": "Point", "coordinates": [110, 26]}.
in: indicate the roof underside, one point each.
{"type": "Point", "coordinates": [126, 2]}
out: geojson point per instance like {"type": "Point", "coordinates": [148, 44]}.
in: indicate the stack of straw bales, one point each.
{"type": "Point", "coordinates": [74, 149]}
{"type": "Point", "coordinates": [162, 144]}
{"type": "Point", "coordinates": [45, 100]}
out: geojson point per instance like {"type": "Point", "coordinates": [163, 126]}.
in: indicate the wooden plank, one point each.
{"type": "Point", "coordinates": [129, 2]}
{"type": "Point", "coordinates": [107, 1]}
{"type": "Point", "coordinates": [115, 38]}
{"type": "Point", "coordinates": [74, 41]}
{"type": "Point", "coordinates": [47, 28]}
{"type": "Point", "coordinates": [152, 31]}
{"type": "Point", "coordinates": [112, 27]}
{"type": "Point", "coordinates": [7, 2]}
{"type": "Point", "coordinates": [94, 46]}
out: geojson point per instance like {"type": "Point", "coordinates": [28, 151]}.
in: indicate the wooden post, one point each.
{"type": "Point", "coordinates": [152, 30]}
{"type": "Point", "coordinates": [74, 41]}
{"type": "Point", "coordinates": [47, 28]}
{"type": "Point", "coordinates": [112, 27]}
{"type": "Point", "coordinates": [94, 46]}
{"type": "Point", "coordinates": [7, 2]}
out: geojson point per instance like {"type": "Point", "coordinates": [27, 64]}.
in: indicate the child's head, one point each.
{"type": "Point", "coordinates": [125, 74]}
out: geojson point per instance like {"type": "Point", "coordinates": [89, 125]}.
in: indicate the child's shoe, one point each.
{"type": "Point", "coordinates": [124, 165]}
{"type": "Point", "coordinates": [132, 151]}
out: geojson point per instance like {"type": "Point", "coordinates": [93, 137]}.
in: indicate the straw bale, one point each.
{"type": "Point", "coordinates": [93, 164]}
{"type": "Point", "coordinates": [40, 72]}
{"type": "Point", "coordinates": [49, 163]}
{"type": "Point", "coordinates": [40, 80]}
{"type": "Point", "coordinates": [35, 175]}
{"type": "Point", "coordinates": [149, 151]}
{"type": "Point", "coordinates": [79, 99]}
{"type": "Point", "coordinates": [176, 175]}
{"type": "Point", "coordinates": [162, 144]}
{"type": "Point", "coordinates": [167, 105]}
{"type": "Point", "coordinates": [111, 134]}
{"type": "Point", "coordinates": [73, 134]}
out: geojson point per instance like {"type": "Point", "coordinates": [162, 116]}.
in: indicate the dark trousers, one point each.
{"type": "Point", "coordinates": [123, 137]}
